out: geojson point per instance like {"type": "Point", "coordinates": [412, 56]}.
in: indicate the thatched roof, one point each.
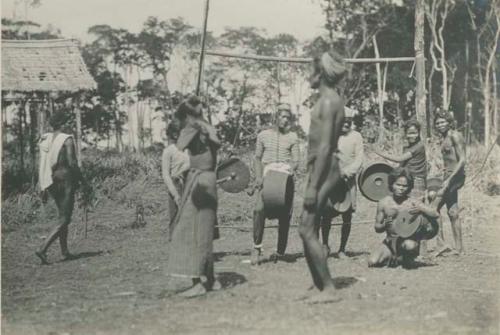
{"type": "Point", "coordinates": [44, 65]}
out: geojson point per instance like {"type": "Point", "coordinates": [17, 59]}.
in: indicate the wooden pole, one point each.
{"type": "Point", "coordinates": [202, 51]}
{"type": "Point", "coordinates": [78, 117]}
{"type": "Point", "coordinates": [420, 96]}
{"type": "Point", "coordinates": [302, 60]}
{"type": "Point", "coordinates": [380, 93]}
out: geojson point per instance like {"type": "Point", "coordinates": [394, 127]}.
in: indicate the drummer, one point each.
{"type": "Point", "coordinates": [277, 149]}
{"type": "Point", "coordinates": [350, 153]}
{"type": "Point", "coordinates": [396, 250]}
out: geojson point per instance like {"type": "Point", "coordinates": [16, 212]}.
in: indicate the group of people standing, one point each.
{"type": "Point", "coordinates": [334, 157]}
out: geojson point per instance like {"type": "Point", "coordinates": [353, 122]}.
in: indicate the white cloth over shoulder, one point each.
{"type": "Point", "coordinates": [49, 152]}
{"type": "Point", "coordinates": [280, 167]}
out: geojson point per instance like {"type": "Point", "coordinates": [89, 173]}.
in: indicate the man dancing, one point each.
{"type": "Point", "coordinates": [323, 167]}
{"type": "Point", "coordinates": [276, 149]}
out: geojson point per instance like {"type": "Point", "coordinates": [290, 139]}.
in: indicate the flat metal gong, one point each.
{"type": "Point", "coordinates": [233, 175]}
{"type": "Point", "coordinates": [373, 181]}
{"type": "Point", "coordinates": [406, 224]}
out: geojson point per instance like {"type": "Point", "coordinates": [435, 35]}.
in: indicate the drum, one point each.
{"type": "Point", "coordinates": [406, 224]}
{"type": "Point", "coordinates": [341, 200]}
{"type": "Point", "coordinates": [233, 175]}
{"type": "Point", "coordinates": [277, 193]}
{"type": "Point", "coordinates": [373, 181]}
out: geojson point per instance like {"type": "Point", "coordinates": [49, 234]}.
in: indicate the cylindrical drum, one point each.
{"type": "Point", "coordinates": [277, 193]}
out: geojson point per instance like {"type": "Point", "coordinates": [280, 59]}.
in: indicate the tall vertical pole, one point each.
{"type": "Point", "coordinates": [78, 117]}
{"type": "Point", "coordinates": [202, 53]}
{"type": "Point", "coordinates": [420, 98]}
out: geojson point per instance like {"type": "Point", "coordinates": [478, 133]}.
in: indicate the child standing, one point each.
{"type": "Point", "coordinates": [173, 167]}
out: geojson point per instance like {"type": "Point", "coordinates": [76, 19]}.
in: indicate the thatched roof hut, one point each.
{"type": "Point", "coordinates": [44, 65]}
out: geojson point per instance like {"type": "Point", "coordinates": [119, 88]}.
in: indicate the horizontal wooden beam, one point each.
{"type": "Point", "coordinates": [303, 59]}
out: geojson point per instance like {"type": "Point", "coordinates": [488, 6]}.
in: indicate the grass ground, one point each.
{"type": "Point", "coordinates": [119, 285]}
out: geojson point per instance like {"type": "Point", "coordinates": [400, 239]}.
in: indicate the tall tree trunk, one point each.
{"type": "Point", "coordinates": [78, 118]}
{"type": "Point", "coordinates": [33, 136]}
{"type": "Point", "coordinates": [430, 105]}
{"type": "Point", "coordinates": [4, 124]}
{"type": "Point", "coordinates": [116, 114]}
{"type": "Point", "coordinates": [487, 88]}
{"type": "Point", "coordinates": [420, 64]}
{"type": "Point", "coordinates": [494, 83]}
{"type": "Point", "coordinates": [21, 113]}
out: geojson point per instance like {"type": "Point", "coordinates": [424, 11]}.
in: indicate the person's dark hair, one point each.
{"type": "Point", "coordinates": [358, 121]}
{"type": "Point", "coordinates": [412, 123]}
{"type": "Point", "coordinates": [338, 70]}
{"type": "Point", "coordinates": [58, 119]}
{"type": "Point", "coordinates": [398, 173]}
{"type": "Point", "coordinates": [172, 129]}
{"type": "Point", "coordinates": [190, 106]}
{"type": "Point", "coordinates": [444, 114]}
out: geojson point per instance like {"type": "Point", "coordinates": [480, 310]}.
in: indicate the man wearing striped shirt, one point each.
{"type": "Point", "coordinates": [276, 149]}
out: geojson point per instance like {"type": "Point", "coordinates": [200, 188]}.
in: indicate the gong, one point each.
{"type": "Point", "coordinates": [233, 175]}
{"type": "Point", "coordinates": [406, 224]}
{"type": "Point", "coordinates": [373, 181]}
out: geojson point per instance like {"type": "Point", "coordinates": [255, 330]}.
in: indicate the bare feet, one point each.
{"type": "Point", "coordinates": [43, 257]}
{"type": "Point", "coordinates": [275, 257]}
{"type": "Point", "coordinates": [456, 252]}
{"type": "Point", "coordinates": [256, 256]}
{"type": "Point", "coordinates": [324, 297]}
{"type": "Point", "coordinates": [213, 285]}
{"type": "Point", "coordinates": [195, 291]}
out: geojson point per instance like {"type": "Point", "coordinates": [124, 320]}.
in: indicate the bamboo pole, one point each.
{"type": "Point", "coordinates": [420, 96]}
{"type": "Point", "coordinates": [202, 51]}
{"type": "Point", "coordinates": [380, 92]}
{"type": "Point", "coordinates": [302, 59]}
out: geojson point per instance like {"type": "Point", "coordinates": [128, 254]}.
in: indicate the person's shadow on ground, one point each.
{"type": "Point", "coordinates": [218, 256]}
{"type": "Point", "coordinates": [344, 282]}
{"type": "Point", "coordinates": [418, 264]}
{"type": "Point", "coordinates": [230, 279]}
{"type": "Point", "coordinates": [84, 254]}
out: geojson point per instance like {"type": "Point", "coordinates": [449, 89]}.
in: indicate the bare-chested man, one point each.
{"type": "Point", "coordinates": [396, 250]}
{"type": "Point", "coordinates": [323, 168]}
{"type": "Point", "coordinates": [60, 175]}
{"type": "Point", "coordinates": [453, 151]}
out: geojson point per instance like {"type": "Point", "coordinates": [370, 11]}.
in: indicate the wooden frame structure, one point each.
{"type": "Point", "coordinates": [419, 60]}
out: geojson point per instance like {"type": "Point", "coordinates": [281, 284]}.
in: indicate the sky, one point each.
{"type": "Point", "coordinates": [301, 18]}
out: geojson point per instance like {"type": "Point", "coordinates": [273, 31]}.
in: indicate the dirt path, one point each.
{"type": "Point", "coordinates": [118, 286]}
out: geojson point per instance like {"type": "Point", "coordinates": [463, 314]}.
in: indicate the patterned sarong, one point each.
{"type": "Point", "coordinates": [193, 228]}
